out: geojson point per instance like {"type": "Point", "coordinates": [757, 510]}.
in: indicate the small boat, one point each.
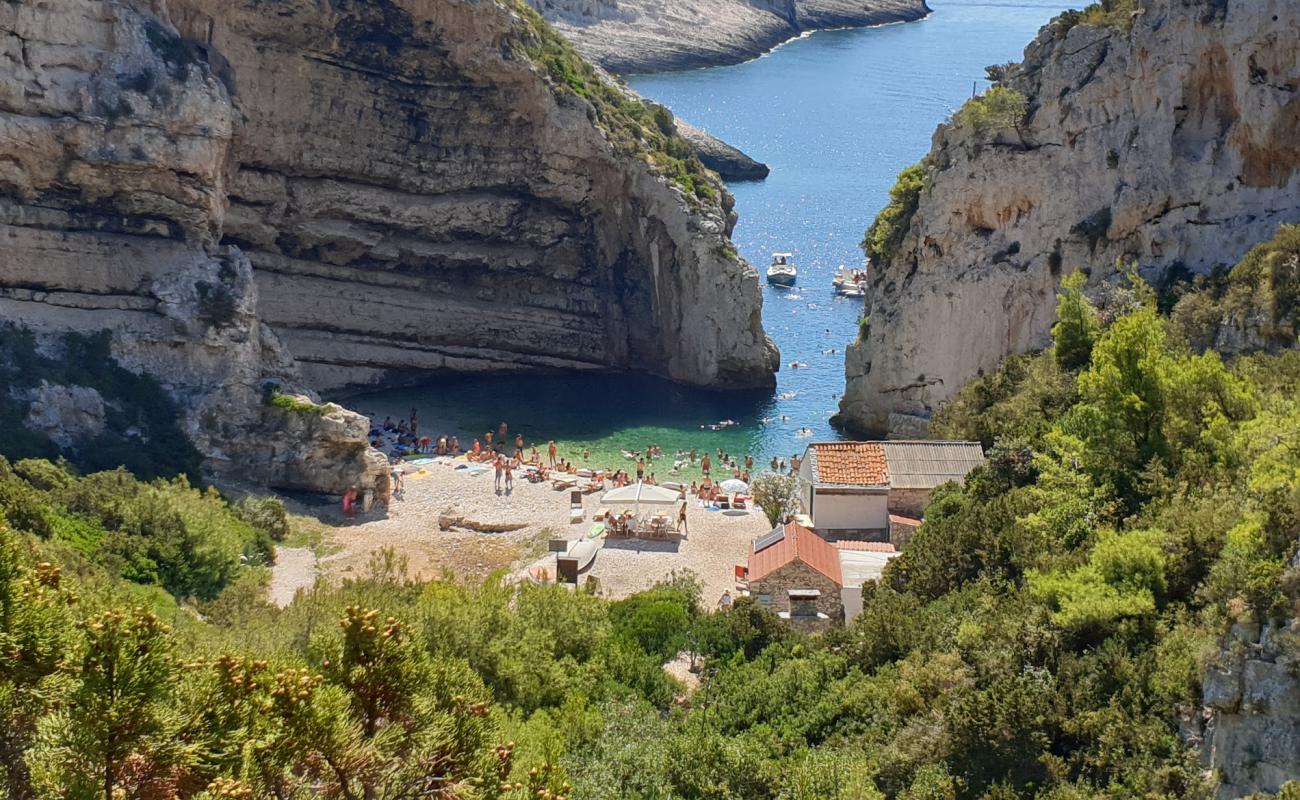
{"type": "Point", "coordinates": [850, 283]}
{"type": "Point", "coordinates": [782, 271]}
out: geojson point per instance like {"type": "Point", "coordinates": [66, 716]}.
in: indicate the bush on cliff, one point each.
{"type": "Point", "coordinates": [886, 233]}
{"type": "Point", "coordinates": [998, 108]}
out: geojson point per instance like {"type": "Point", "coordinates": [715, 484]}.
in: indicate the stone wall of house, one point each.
{"type": "Point", "coordinates": [908, 502]}
{"type": "Point", "coordinates": [798, 575]}
{"type": "Point", "coordinates": [901, 532]}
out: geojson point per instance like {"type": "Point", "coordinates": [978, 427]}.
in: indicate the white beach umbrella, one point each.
{"type": "Point", "coordinates": [734, 486]}
{"type": "Point", "coordinates": [640, 494]}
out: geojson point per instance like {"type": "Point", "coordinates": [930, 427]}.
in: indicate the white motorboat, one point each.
{"type": "Point", "coordinates": [850, 283]}
{"type": "Point", "coordinates": [782, 271]}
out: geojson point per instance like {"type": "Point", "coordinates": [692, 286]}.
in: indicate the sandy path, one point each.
{"type": "Point", "coordinates": [295, 568]}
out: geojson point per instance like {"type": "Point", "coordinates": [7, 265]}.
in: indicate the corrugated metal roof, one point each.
{"type": "Point", "coordinates": [925, 465]}
{"type": "Point", "coordinates": [848, 463]}
{"type": "Point", "coordinates": [902, 520]}
{"type": "Point", "coordinates": [799, 544]}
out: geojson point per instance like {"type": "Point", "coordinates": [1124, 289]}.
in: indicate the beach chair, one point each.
{"type": "Point", "coordinates": [560, 484]}
{"type": "Point", "coordinates": [740, 502]}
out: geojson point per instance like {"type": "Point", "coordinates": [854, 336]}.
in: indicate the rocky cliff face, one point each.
{"type": "Point", "coordinates": [630, 36]}
{"type": "Point", "coordinates": [113, 171]}
{"type": "Point", "coordinates": [388, 189]}
{"type": "Point", "coordinates": [1251, 734]}
{"type": "Point", "coordinates": [1174, 145]}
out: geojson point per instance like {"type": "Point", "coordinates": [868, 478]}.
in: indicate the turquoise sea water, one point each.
{"type": "Point", "coordinates": [836, 115]}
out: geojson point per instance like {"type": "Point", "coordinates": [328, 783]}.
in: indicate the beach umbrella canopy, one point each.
{"type": "Point", "coordinates": [734, 486]}
{"type": "Point", "coordinates": [640, 494]}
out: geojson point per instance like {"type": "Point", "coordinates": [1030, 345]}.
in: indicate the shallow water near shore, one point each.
{"type": "Point", "coordinates": [836, 115]}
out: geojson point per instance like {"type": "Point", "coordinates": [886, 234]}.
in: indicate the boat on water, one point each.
{"type": "Point", "coordinates": [782, 272]}
{"type": "Point", "coordinates": [850, 283]}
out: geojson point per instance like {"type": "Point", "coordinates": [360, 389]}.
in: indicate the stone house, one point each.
{"type": "Point", "coordinates": [850, 490]}
{"type": "Point", "coordinates": [796, 573]}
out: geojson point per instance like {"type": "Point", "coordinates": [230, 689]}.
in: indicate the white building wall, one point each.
{"type": "Point", "coordinates": [850, 511]}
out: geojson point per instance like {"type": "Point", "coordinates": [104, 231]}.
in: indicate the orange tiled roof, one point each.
{"type": "Point", "coordinates": [850, 463]}
{"type": "Point", "coordinates": [865, 547]}
{"type": "Point", "coordinates": [798, 544]}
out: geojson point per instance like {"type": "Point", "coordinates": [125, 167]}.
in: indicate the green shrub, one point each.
{"type": "Point", "coordinates": [886, 233]}
{"type": "Point", "coordinates": [998, 108]}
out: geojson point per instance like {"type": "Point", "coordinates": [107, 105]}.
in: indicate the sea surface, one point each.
{"type": "Point", "coordinates": [836, 115]}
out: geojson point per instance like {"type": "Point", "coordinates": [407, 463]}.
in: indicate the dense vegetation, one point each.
{"type": "Point", "coordinates": [1104, 14]}
{"type": "Point", "coordinates": [633, 125]}
{"type": "Point", "coordinates": [1042, 635]}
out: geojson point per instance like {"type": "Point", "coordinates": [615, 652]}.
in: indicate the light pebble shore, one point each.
{"type": "Point", "coordinates": [714, 545]}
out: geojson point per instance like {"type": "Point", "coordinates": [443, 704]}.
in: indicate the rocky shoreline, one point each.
{"type": "Point", "coordinates": [638, 36]}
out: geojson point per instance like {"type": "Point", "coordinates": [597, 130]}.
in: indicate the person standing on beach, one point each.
{"type": "Point", "coordinates": [706, 465]}
{"type": "Point", "coordinates": [510, 475]}
{"type": "Point", "coordinates": [551, 450]}
{"type": "Point", "coordinates": [681, 516]}
{"type": "Point", "coordinates": [500, 467]}
{"type": "Point", "coordinates": [640, 468]}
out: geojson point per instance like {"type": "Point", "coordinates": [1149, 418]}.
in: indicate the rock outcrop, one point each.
{"type": "Point", "coordinates": [628, 36]}
{"type": "Point", "coordinates": [729, 162]}
{"type": "Point", "coordinates": [320, 194]}
{"type": "Point", "coordinates": [1251, 734]}
{"type": "Point", "coordinates": [1175, 145]}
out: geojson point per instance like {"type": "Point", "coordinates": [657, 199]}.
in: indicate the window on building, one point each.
{"type": "Point", "coordinates": [764, 600]}
{"type": "Point", "coordinates": [803, 602]}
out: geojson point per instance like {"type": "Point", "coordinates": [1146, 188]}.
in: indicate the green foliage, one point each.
{"type": "Point", "coordinates": [291, 404]}
{"type": "Point", "coordinates": [886, 233]}
{"type": "Point", "coordinates": [1258, 299]}
{"type": "Point", "coordinates": [998, 108]}
{"type": "Point", "coordinates": [1124, 579]}
{"type": "Point", "coordinates": [777, 495]}
{"type": "Point", "coordinates": [1077, 324]}
{"type": "Point", "coordinates": [1040, 636]}
{"type": "Point", "coordinates": [1104, 14]}
{"type": "Point", "coordinates": [168, 533]}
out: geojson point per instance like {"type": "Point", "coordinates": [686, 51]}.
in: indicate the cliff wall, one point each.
{"type": "Point", "coordinates": [1251, 733]}
{"type": "Point", "coordinates": [327, 194]}
{"type": "Point", "coordinates": [629, 36]}
{"type": "Point", "coordinates": [1174, 145]}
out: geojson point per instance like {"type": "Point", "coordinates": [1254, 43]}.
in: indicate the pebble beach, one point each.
{"type": "Point", "coordinates": [449, 488]}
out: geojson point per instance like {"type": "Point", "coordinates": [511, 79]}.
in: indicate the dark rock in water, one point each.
{"type": "Point", "coordinates": [722, 158]}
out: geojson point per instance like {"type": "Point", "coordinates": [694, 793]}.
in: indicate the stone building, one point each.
{"type": "Point", "coordinates": [796, 573]}
{"type": "Point", "coordinates": [850, 490]}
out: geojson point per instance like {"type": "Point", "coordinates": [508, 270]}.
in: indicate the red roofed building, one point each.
{"type": "Point", "coordinates": [797, 574]}
{"type": "Point", "coordinates": [850, 490]}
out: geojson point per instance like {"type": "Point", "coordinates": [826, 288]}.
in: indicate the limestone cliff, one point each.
{"type": "Point", "coordinates": [1250, 728]}
{"type": "Point", "coordinates": [332, 193]}
{"type": "Point", "coordinates": [628, 36]}
{"type": "Point", "coordinates": [1175, 145]}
